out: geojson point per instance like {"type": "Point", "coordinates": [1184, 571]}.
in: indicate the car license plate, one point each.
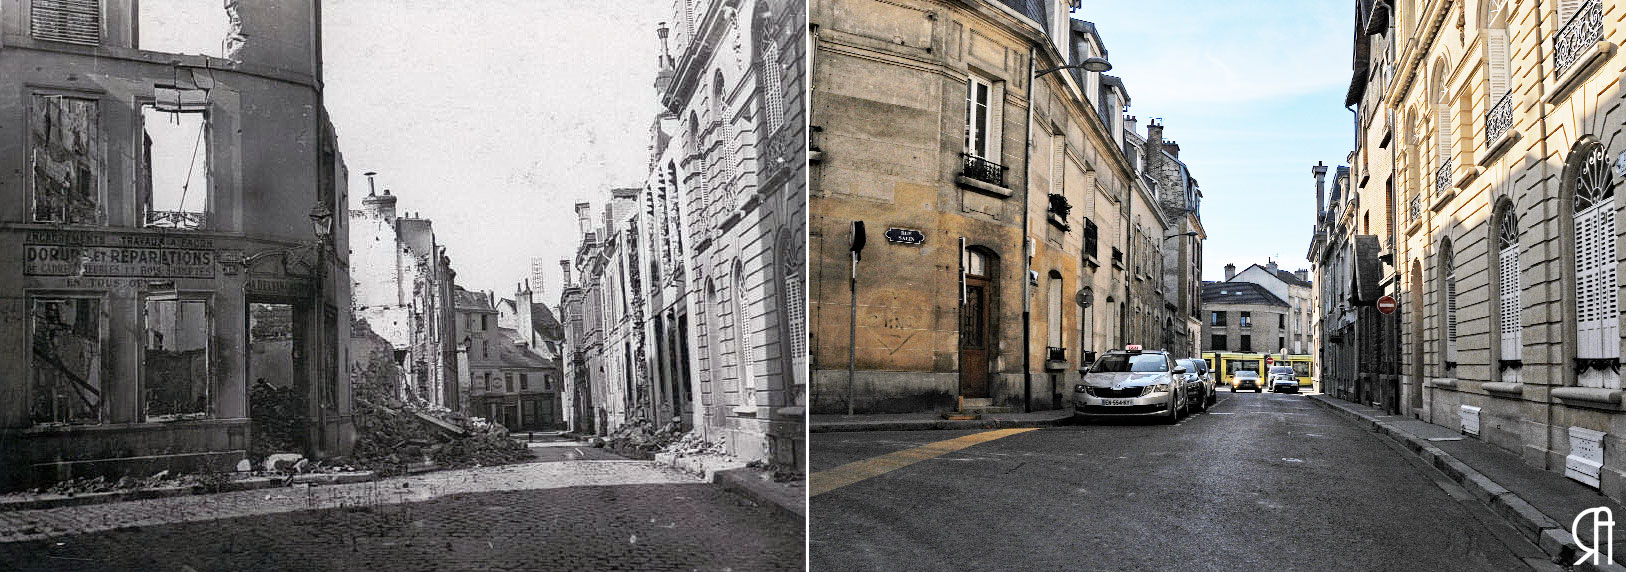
{"type": "Point", "coordinates": [1117, 402]}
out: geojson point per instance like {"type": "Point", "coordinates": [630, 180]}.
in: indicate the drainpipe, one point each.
{"type": "Point", "coordinates": [1027, 254]}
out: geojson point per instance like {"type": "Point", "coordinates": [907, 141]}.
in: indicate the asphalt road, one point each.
{"type": "Point", "coordinates": [1262, 482]}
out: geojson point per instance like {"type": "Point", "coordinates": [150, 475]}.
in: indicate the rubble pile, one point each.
{"type": "Point", "coordinates": [392, 434]}
{"type": "Point", "coordinates": [693, 444]}
{"type": "Point", "coordinates": [640, 440]}
{"type": "Point", "coordinates": [278, 419]}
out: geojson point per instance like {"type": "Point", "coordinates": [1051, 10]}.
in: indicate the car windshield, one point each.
{"type": "Point", "coordinates": [1247, 373]}
{"type": "Point", "coordinates": [1119, 363]}
{"type": "Point", "coordinates": [1281, 369]}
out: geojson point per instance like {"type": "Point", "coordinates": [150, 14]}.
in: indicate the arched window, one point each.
{"type": "Point", "coordinates": [706, 334]}
{"type": "Point", "coordinates": [742, 338]}
{"type": "Point", "coordinates": [773, 90]}
{"type": "Point", "coordinates": [1448, 277]}
{"type": "Point", "coordinates": [1597, 306]}
{"type": "Point", "coordinates": [1507, 290]}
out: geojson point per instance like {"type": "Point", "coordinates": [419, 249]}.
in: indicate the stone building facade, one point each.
{"type": "Point", "coordinates": [402, 280]}
{"type": "Point", "coordinates": [169, 235]}
{"type": "Point", "coordinates": [1506, 130]}
{"type": "Point", "coordinates": [1012, 233]}
{"type": "Point", "coordinates": [1243, 317]}
{"type": "Point", "coordinates": [709, 251]}
{"type": "Point", "coordinates": [504, 378]}
{"type": "Point", "coordinates": [1295, 289]}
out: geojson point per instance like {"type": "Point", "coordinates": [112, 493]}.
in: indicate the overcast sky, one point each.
{"type": "Point", "coordinates": [1253, 90]}
{"type": "Point", "coordinates": [494, 117]}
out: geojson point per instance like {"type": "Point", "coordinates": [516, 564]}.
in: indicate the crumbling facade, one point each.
{"type": "Point", "coordinates": [1496, 130]}
{"type": "Point", "coordinates": [403, 280]}
{"type": "Point", "coordinates": [1017, 223]}
{"type": "Point", "coordinates": [170, 238]}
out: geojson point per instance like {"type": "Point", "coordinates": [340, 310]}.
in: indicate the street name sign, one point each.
{"type": "Point", "coordinates": [905, 236]}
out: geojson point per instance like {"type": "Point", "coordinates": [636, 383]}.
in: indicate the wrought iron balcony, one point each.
{"type": "Point", "coordinates": [1583, 30]}
{"type": "Point", "coordinates": [1499, 120]}
{"type": "Point", "coordinates": [1414, 208]}
{"type": "Point", "coordinates": [981, 169]}
{"type": "Point", "coordinates": [184, 220]}
{"type": "Point", "coordinates": [1055, 354]}
{"type": "Point", "coordinates": [1442, 179]}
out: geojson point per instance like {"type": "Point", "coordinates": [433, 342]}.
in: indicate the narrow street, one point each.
{"type": "Point", "coordinates": [1261, 482]}
{"type": "Point", "coordinates": [574, 508]}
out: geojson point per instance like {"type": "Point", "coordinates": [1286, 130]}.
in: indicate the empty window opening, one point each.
{"type": "Point", "coordinates": [65, 159]}
{"type": "Point", "coordinates": [175, 362]}
{"type": "Point", "coordinates": [199, 27]}
{"type": "Point", "coordinates": [275, 403]}
{"type": "Point", "coordinates": [66, 364]}
{"type": "Point", "coordinates": [175, 147]}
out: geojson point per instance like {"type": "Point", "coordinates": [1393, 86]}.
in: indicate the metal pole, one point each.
{"type": "Point", "coordinates": [1027, 253]}
{"type": "Point", "coordinates": [852, 333]}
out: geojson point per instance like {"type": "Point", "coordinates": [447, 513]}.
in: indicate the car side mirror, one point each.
{"type": "Point", "coordinates": [1179, 370]}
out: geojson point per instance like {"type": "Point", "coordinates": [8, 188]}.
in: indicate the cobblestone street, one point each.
{"type": "Point", "coordinates": [564, 515]}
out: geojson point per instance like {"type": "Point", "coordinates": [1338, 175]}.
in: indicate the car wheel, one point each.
{"type": "Point", "coordinates": [1202, 404]}
{"type": "Point", "coordinates": [1174, 408]}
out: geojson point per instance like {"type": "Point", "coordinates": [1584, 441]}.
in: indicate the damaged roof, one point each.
{"type": "Point", "coordinates": [513, 354]}
{"type": "Point", "coordinates": [1239, 293]}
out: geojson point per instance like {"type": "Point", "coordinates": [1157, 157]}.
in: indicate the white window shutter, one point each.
{"type": "Point", "coordinates": [69, 21]}
{"type": "Point", "coordinates": [1442, 132]}
{"type": "Point", "coordinates": [1596, 296]}
{"type": "Point", "coordinates": [1451, 316]}
{"type": "Point", "coordinates": [1508, 290]}
{"type": "Point", "coordinates": [1499, 63]}
{"type": "Point", "coordinates": [1567, 10]}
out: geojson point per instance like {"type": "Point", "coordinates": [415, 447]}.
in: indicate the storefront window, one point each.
{"type": "Point", "coordinates": [66, 364]}
{"type": "Point", "coordinates": [175, 361]}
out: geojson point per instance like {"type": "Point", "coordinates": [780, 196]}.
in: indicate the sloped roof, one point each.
{"type": "Point", "coordinates": [1239, 293]}
{"type": "Point", "coordinates": [543, 320]}
{"type": "Point", "coordinates": [512, 354]}
{"type": "Point", "coordinates": [463, 299]}
{"type": "Point", "coordinates": [1031, 8]}
{"type": "Point", "coordinates": [1292, 278]}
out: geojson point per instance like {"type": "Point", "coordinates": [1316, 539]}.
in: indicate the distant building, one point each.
{"type": "Point", "coordinates": [507, 381]}
{"type": "Point", "coordinates": [1243, 317]}
{"type": "Point", "coordinates": [402, 279]}
{"type": "Point", "coordinates": [1292, 287]}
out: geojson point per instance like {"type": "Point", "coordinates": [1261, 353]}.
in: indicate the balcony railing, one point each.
{"type": "Point", "coordinates": [981, 169]}
{"type": "Point", "coordinates": [1442, 179]}
{"type": "Point", "coordinates": [1499, 120]}
{"type": "Point", "coordinates": [1414, 208]}
{"type": "Point", "coordinates": [1055, 354]}
{"type": "Point", "coordinates": [1584, 29]}
{"type": "Point", "coordinates": [185, 220]}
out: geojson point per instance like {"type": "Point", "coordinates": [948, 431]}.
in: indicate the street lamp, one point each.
{"type": "Point", "coordinates": [1192, 233]}
{"type": "Point", "coordinates": [1091, 64]}
{"type": "Point", "coordinates": [322, 222]}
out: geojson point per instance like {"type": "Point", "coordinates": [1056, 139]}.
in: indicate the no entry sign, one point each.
{"type": "Point", "coordinates": [1387, 305]}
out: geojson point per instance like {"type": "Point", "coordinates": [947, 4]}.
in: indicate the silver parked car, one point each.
{"type": "Point", "coordinates": [1132, 382]}
{"type": "Point", "coordinates": [1283, 380]}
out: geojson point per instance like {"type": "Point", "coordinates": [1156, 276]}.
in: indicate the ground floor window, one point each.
{"type": "Point", "coordinates": [175, 358]}
{"type": "Point", "coordinates": [66, 360]}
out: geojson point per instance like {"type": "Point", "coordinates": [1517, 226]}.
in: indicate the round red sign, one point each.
{"type": "Point", "coordinates": [1387, 304]}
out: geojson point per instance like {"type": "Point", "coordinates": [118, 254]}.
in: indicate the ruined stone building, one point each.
{"type": "Point", "coordinates": [1486, 164]}
{"type": "Point", "coordinates": [170, 237]}
{"type": "Point", "coordinates": [696, 278]}
{"type": "Point", "coordinates": [403, 280]}
{"type": "Point", "coordinates": [1017, 222]}
{"type": "Point", "coordinates": [505, 379]}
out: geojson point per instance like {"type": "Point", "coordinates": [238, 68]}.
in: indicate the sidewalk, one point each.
{"type": "Point", "coordinates": [934, 421]}
{"type": "Point", "coordinates": [1540, 504]}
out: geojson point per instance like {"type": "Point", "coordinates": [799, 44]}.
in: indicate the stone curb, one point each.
{"type": "Point", "coordinates": [249, 484]}
{"type": "Point", "coordinates": [933, 425]}
{"type": "Point", "coordinates": [747, 483]}
{"type": "Point", "coordinates": [1536, 527]}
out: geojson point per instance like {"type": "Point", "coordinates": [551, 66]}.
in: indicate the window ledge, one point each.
{"type": "Point", "coordinates": [1411, 227]}
{"type": "Point", "coordinates": [1502, 145]}
{"type": "Point", "coordinates": [1505, 388]}
{"type": "Point", "coordinates": [1595, 55]}
{"type": "Point", "coordinates": [995, 191]}
{"type": "Point", "coordinates": [815, 156]}
{"type": "Point", "coordinates": [1594, 397]}
{"type": "Point", "coordinates": [1443, 383]}
{"type": "Point", "coordinates": [1054, 365]}
{"type": "Point", "coordinates": [1058, 222]}
{"type": "Point", "coordinates": [1472, 172]}
{"type": "Point", "coordinates": [745, 410]}
{"type": "Point", "coordinates": [1439, 203]}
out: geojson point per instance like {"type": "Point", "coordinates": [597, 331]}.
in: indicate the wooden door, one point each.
{"type": "Point", "coordinates": [975, 338]}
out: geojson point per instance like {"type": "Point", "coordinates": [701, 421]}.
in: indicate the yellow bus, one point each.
{"type": "Point", "coordinates": [1226, 364]}
{"type": "Point", "coordinates": [1301, 368]}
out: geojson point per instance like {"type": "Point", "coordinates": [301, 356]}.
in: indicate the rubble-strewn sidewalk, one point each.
{"type": "Point", "coordinates": [46, 523]}
{"type": "Point", "coordinates": [1540, 504]}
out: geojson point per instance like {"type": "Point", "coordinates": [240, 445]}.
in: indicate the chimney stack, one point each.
{"type": "Point", "coordinates": [1132, 124]}
{"type": "Point", "coordinates": [584, 218]}
{"type": "Point", "coordinates": [380, 206]}
{"type": "Point", "coordinates": [1271, 265]}
{"type": "Point", "coordinates": [1230, 272]}
{"type": "Point", "coordinates": [1303, 275]}
{"type": "Point", "coordinates": [522, 310]}
{"type": "Point", "coordinates": [1320, 171]}
{"type": "Point", "coordinates": [564, 272]}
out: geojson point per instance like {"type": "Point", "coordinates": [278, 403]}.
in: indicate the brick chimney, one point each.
{"type": "Point", "coordinates": [1172, 148]}
{"type": "Point", "coordinates": [564, 268]}
{"type": "Point", "coordinates": [1302, 275]}
{"type": "Point", "coordinates": [1230, 272]}
{"type": "Point", "coordinates": [522, 308]}
{"type": "Point", "coordinates": [1272, 267]}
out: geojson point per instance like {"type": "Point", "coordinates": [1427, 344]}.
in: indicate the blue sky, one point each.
{"type": "Point", "coordinates": [1253, 90]}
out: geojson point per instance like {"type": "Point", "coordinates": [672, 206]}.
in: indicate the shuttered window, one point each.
{"type": "Point", "coordinates": [1448, 267]}
{"type": "Point", "coordinates": [70, 21]}
{"type": "Point", "coordinates": [1508, 287]}
{"type": "Point", "coordinates": [1596, 296]}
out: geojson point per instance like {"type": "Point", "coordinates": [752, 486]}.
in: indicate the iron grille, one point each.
{"type": "Point", "coordinates": [1442, 179]}
{"type": "Point", "coordinates": [1499, 119]}
{"type": "Point", "coordinates": [1584, 29]}
{"type": "Point", "coordinates": [983, 170]}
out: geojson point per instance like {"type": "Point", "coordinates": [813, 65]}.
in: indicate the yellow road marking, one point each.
{"type": "Point", "coordinates": [832, 479]}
